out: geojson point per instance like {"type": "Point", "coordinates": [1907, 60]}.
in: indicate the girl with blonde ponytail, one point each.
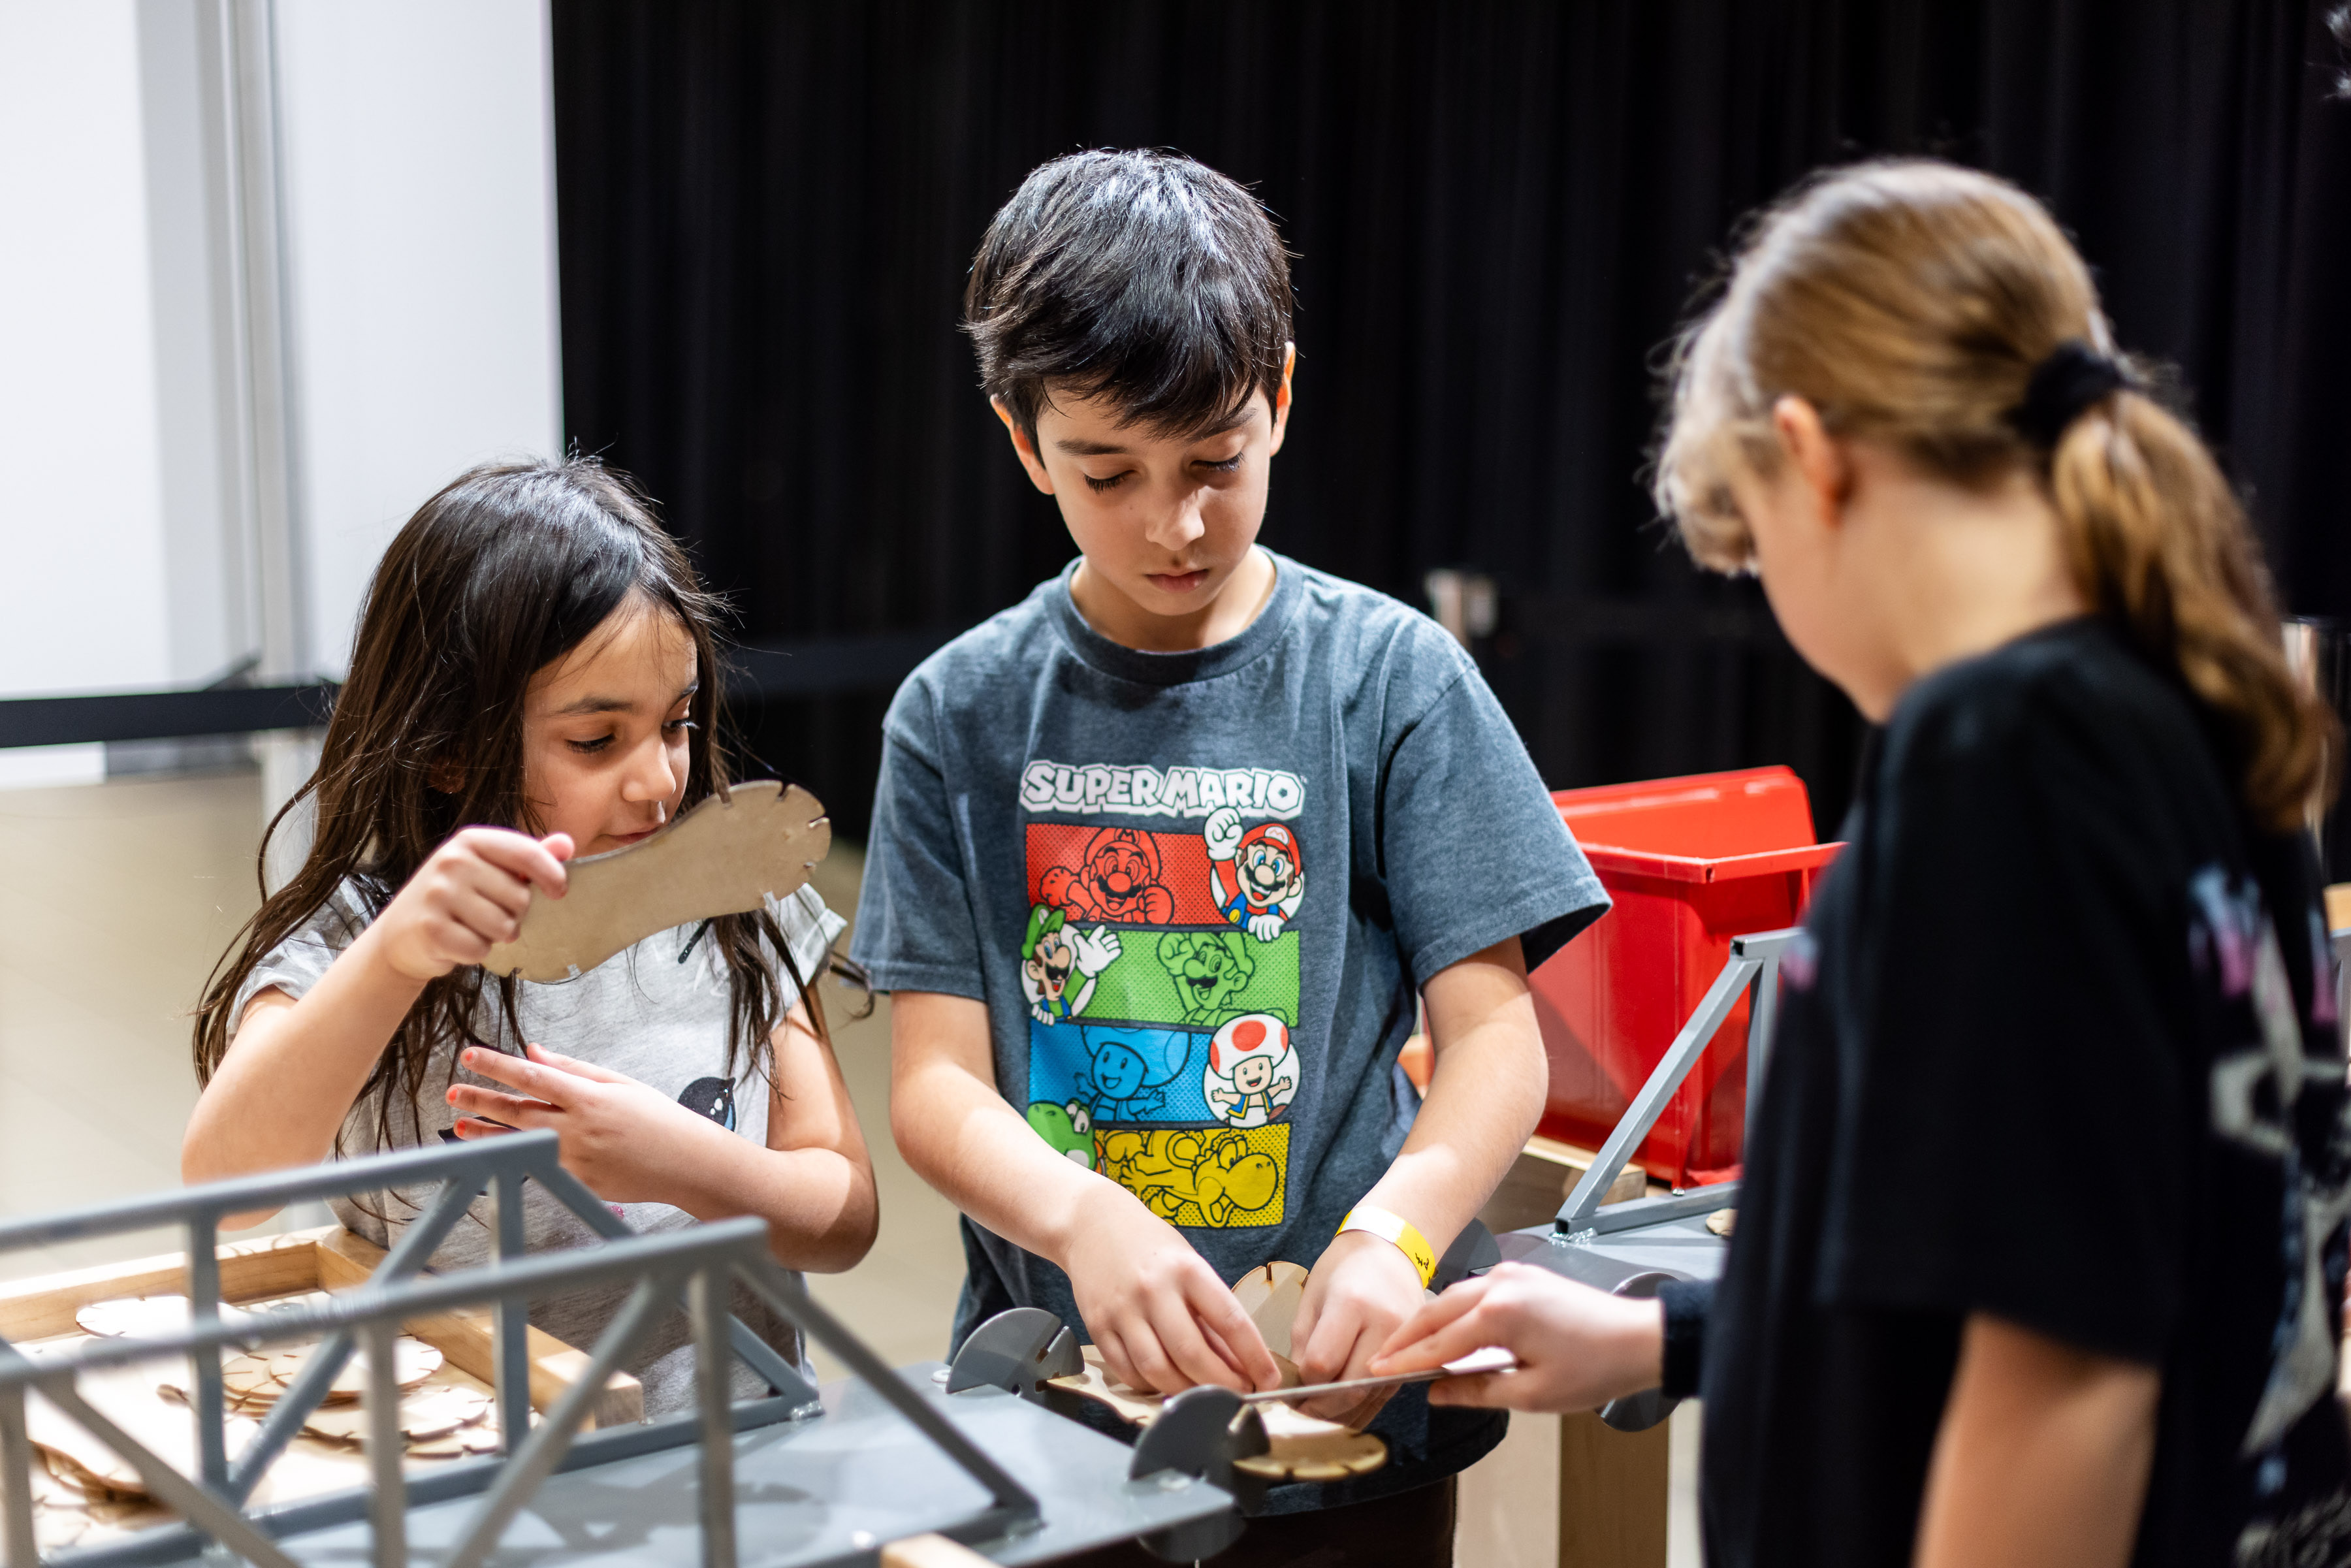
{"type": "Point", "coordinates": [2074, 937]}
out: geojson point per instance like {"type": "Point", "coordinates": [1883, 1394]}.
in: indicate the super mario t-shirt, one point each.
{"type": "Point", "coordinates": [1198, 893]}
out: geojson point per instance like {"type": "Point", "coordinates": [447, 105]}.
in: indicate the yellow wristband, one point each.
{"type": "Point", "coordinates": [1397, 1228]}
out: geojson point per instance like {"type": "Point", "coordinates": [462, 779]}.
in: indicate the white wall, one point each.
{"type": "Point", "coordinates": [417, 241]}
{"type": "Point", "coordinates": [81, 548]}
{"type": "Point", "coordinates": [419, 213]}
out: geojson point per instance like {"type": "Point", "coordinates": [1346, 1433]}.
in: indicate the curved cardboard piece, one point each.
{"type": "Point", "coordinates": [724, 857]}
{"type": "Point", "coordinates": [1301, 1446]}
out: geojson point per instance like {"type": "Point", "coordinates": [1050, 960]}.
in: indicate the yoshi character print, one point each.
{"type": "Point", "coordinates": [1161, 965]}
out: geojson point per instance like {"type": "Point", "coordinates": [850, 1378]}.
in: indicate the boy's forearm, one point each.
{"type": "Point", "coordinates": [1484, 1098]}
{"type": "Point", "coordinates": [967, 1141]}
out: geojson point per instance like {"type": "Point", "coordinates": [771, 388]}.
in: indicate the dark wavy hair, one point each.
{"type": "Point", "coordinates": [509, 569]}
{"type": "Point", "coordinates": [1143, 277]}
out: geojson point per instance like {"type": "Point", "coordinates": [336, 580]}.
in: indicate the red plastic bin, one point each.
{"type": "Point", "coordinates": [1691, 862]}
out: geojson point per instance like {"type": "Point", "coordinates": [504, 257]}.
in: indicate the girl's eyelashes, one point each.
{"type": "Point", "coordinates": [680, 725]}
{"type": "Point", "coordinates": [591, 748]}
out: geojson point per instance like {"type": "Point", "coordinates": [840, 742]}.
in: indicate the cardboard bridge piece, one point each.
{"type": "Point", "coordinates": [1298, 1446]}
{"type": "Point", "coordinates": [724, 857]}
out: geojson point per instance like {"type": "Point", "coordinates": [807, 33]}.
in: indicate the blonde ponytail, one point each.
{"type": "Point", "coordinates": [2158, 544]}
{"type": "Point", "coordinates": [1911, 303]}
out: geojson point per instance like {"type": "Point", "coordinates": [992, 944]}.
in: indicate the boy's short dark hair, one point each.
{"type": "Point", "coordinates": [1145, 278]}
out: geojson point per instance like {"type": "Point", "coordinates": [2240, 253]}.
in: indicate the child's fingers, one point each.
{"type": "Point", "coordinates": [468, 1130]}
{"type": "Point", "coordinates": [1115, 1360]}
{"type": "Point", "coordinates": [574, 1066]}
{"type": "Point", "coordinates": [1486, 1390]}
{"type": "Point", "coordinates": [525, 858]}
{"type": "Point", "coordinates": [1147, 1358]}
{"type": "Point", "coordinates": [1426, 1319]}
{"type": "Point", "coordinates": [561, 846]}
{"type": "Point", "coordinates": [514, 1110]}
{"type": "Point", "coordinates": [545, 1082]}
{"type": "Point", "coordinates": [483, 915]}
{"type": "Point", "coordinates": [1449, 1342]}
{"type": "Point", "coordinates": [1188, 1352]}
{"type": "Point", "coordinates": [1212, 1304]}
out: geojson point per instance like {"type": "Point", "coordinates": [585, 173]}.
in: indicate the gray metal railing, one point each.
{"type": "Point", "coordinates": [698, 1266]}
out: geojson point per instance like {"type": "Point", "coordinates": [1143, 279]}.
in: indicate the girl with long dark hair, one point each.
{"type": "Point", "coordinates": [534, 678]}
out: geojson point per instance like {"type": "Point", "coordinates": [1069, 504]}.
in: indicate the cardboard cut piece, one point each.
{"type": "Point", "coordinates": [1270, 1294]}
{"type": "Point", "coordinates": [1302, 1447]}
{"type": "Point", "coordinates": [723, 857]}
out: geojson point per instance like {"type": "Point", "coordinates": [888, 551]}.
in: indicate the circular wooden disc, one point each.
{"type": "Point", "coordinates": [413, 1360]}
{"type": "Point", "coordinates": [438, 1411]}
{"type": "Point", "coordinates": [139, 1317]}
{"type": "Point", "coordinates": [435, 1412]}
{"type": "Point", "coordinates": [248, 1377]}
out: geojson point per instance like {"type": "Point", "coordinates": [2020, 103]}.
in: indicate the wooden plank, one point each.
{"type": "Point", "coordinates": [329, 1258]}
{"type": "Point", "coordinates": [465, 1337]}
{"type": "Point", "coordinates": [266, 1266]}
{"type": "Point", "coordinates": [1612, 1493]}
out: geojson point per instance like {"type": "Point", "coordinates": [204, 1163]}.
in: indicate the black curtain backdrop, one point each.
{"type": "Point", "coordinates": [1500, 211]}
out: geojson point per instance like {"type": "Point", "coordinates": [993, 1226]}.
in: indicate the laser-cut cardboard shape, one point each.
{"type": "Point", "coordinates": [723, 857]}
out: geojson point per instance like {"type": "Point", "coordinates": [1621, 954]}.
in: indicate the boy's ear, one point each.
{"type": "Point", "coordinates": [1281, 398]}
{"type": "Point", "coordinates": [1023, 447]}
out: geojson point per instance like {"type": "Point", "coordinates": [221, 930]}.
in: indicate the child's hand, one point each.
{"type": "Point", "coordinates": [1360, 1289]}
{"type": "Point", "coordinates": [1161, 1317]}
{"type": "Point", "coordinates": [469, 896]}
{"type": "Point", "coordinates": [1577, 1347]}
{"type": "Point", "coordinates": [620, 1136]}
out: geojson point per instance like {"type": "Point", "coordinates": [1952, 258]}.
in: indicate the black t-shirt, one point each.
{"type": "Point", "coordinates": [2050, 1052]}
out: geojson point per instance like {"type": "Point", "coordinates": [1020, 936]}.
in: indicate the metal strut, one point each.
{"type": "Point", "coordinates": [1753, 969]}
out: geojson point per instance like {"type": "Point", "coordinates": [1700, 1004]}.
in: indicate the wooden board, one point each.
{"type": "Point", "coordinates": [724, 857]}
{"type": "Point", "coordinates": [1612, 1493]}
{"type": "Point", "coordinates": [329, 1257]}
{"type": "Point", "coordinates": [86, 1494]}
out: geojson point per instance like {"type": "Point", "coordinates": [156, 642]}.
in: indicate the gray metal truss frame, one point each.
{"type": "Point", "coordinates": [1752, 969]}
{"type": "Point", "coordinates": [699, 1266]}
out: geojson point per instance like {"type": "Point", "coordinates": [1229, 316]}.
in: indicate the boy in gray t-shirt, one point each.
{"type": "Point", "coordinates": [1161, 855]}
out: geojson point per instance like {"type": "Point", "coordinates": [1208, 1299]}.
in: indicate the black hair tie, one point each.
{"type": "Point", "coordinates": [2069, 380]}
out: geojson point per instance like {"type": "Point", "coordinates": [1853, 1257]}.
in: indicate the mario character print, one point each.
{"type": "Point", "coordinates": [1052, 952]}
{"type": "Point", "coordinates": [1120, 878]}
{"type": "Point", "coordinates": [1256, 874]}
{"type": "Point", "coordinates": [1252, 1072]}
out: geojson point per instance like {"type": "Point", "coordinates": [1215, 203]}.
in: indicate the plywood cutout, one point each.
{"type": "Point", "coordinates": [1300, 1446]}
{"type": "Point", "coordinates": [1269, 1293]}
{"type": "Point", "coordinates": [723, 857]}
